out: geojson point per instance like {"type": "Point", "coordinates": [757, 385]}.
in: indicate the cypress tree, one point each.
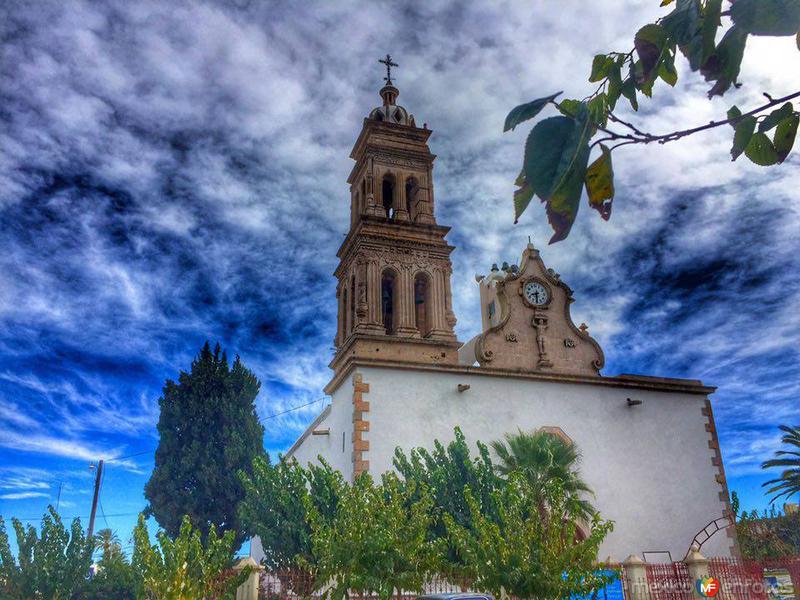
{"type": "Point", "coordinates": [209, 431]}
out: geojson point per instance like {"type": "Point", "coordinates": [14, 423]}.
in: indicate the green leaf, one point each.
{"type": "Point", "coordinates": [628, 89]}
{"type": "Point", "coordinates": [556, 155]}
{"type": "Point", "coordinates": [767, 17]}
{"type": "Point", "coordinates": [649, 42]}
{"type": "Point", "coordinates": [776, 116]}
{"type": "Point", "coordinates": [761, 151]}
{"type": "Point", "coordinates": [562, 205]}
{"type": "Point", "coordinates": [667, 70]}
{"type": "Point", "coordinates": [683, 22]}
{"type": "Point", "coordinates": [601, 66]}
{"type": "Point", "coordinates": [569, 107]}
{"type": "Point", "coordinates": [724, 64]}
{"type": "Point", "coordinates": [708, 29]}
{"type": "Point", "coordinates": [598, 109]}
{"type": "Point", "coordinates": [523, 112]}
{"type": "Point", "coordinates": [522, 197]}
{"type": "Point", "coordinates": [614, 88]}
{"type": "Point", "coordinates": [543, 151]}
{"type": "Point", "coordinates": [743, 132]}
{"type": "Point", "coordinates": [784, 136]}
{"type": "Point", "coordinates": [733, 114]}
{"type": "Point", "coordinates": [600, 183]}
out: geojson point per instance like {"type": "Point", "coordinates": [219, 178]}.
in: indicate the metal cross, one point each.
{"type": "Point", "coordinates": [389, 64]}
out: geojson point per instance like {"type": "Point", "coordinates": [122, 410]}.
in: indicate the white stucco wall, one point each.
{"type": "Point", "coordinates": [340, 423]}
{"type": "Point", "coordinates": [649, 465]}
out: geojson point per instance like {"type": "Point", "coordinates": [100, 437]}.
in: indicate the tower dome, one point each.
{"type": "Point", "coordinates": [391, 112]}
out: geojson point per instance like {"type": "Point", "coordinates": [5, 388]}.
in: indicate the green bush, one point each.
{"type": "Point", "coordinates": [115, 579]}
{"type": "Point", "coordinates": [185, 568]}
{"type": "Point", "coordinates": [51, 564]}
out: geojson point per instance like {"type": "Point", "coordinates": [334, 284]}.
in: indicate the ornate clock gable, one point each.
{"type": "Point", "coordinates": [527, 325]}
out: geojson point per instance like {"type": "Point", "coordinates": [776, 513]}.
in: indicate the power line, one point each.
{"type": "Point", "coordinates": [292, 409]}
{"type": "Point", "coordinates": [267, 418]}
{"type": "Point", "coordinates": [64, 518]}
{"type": "Point", "coordinates": [119, 458]}
{"type": "Point", "coordinates": [143, 452]}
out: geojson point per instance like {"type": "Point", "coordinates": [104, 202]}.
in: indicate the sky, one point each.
{"type": "Point", "coordinates": [172, 173]}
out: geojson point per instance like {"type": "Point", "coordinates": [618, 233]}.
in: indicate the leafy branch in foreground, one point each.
{"type": "Point", "coordinates": [556, 163]}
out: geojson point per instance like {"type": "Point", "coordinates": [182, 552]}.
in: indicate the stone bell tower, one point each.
{"type": "Point", "coordinates": [394, 272]}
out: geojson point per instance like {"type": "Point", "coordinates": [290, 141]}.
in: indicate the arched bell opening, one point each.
{"type": "Point", "coordinates": [387, 195]}
{"type": "Point", "coordinates": [389, 301]}
{"type": "Point", "coordinates": [422, 304]}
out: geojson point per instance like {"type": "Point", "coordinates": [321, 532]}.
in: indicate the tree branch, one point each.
{"type": "Point", "coordinates": [643, 137]}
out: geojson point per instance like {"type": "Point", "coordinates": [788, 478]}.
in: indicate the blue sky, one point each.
{"type": "Point", "coordinates": [176, 172]}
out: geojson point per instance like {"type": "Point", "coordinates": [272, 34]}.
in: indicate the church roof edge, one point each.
{"type": "Point", "coordinates": [662, 384]}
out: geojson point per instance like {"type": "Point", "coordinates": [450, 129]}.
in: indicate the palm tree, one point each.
{"type": "Point", "coordinates": [542, 457]}
{"type": "Point", "coordinates": [108, 542]}
{"type": "Point", "coordinates": [788, 484]}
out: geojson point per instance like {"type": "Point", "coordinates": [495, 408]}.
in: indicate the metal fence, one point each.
{"type": "Point", "coordinates": [669, 581]}
{"type": "Point", "coordinates": [737, 580]}
{"type": "Point", "coordinates": [297, 585]}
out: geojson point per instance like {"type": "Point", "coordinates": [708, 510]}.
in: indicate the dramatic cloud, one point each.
{"type": "Point", "coordinates": [175, 172]}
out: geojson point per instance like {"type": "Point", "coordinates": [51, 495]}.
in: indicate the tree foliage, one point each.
{"type": "Point", "coordinates": [275, 508]}
{"type": "Point", "coordinates": [51, 564]}
{"type": "Point", "coordinates": [186, 567]}
{"type": "Point", "coordinates": [107, 541]}
{"type": "Point", "coordinates": [542, 457]}
{"type": "Point", "coordinates": [768, 534]}
{"type": "Point", "coordinates": [209, 432]}
{"type": "Point", "coordinates": [558, 149]}
{"type": "Point", "coordinates": [115, 578]}
{"type": "Point", "coordinates": [529, 553]}
{"type": "Point", "coordinates": [444, 473]}
{"type": "Point", "coordinates": [788, 483]}
{"type": "Point", "coordinates": [377, 541]}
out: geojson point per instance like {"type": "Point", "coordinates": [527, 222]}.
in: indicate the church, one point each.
{"type": "Point", "coordinates": [401, 378]}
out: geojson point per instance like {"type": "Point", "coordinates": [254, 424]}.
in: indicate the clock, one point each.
{"type": "Point", "coordinates": [536, 293]}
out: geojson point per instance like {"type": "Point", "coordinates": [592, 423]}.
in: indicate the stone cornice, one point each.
{"type": "Point", "coordinates": [640, 382]}
{"type": "Point", "coordinates": [414, 134]}
{"type": "Point", "coordinates": [392, 156]}
{"type": "Point", "coordinates": [404, 236]}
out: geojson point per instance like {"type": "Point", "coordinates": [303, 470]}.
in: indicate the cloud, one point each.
{"type": "Point", "coordinates": [23, 495]}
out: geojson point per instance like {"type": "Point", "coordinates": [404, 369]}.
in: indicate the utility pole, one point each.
{"type": "Point", "coordinates": [58, 500]}
{"type": "Point", "coordinates": [97, 480]}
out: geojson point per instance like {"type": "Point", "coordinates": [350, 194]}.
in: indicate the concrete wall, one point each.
{"type": "Point", "coordinates": [340, 423]}
{"type": "Point", "coordinates": [650, 465]}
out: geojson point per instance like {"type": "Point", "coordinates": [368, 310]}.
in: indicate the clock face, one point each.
{"type": "Point", "coordinates": [536, 293]}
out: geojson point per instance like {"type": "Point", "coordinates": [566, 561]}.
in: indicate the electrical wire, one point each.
{"type": "Point", "coordinates": [143, 452]}
{"type": "Point", "coordinates": [267, 418]}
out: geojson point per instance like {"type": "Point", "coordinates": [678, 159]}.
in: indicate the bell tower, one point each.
{"type": "Point", "coordinates": [394, 272]}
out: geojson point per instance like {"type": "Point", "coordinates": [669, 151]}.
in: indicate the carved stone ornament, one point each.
{"type": "Point", "coordinates": [535, 333]}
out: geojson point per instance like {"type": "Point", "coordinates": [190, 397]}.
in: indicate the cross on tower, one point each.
{"type": "Point", "coordinates": [389, 64]}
